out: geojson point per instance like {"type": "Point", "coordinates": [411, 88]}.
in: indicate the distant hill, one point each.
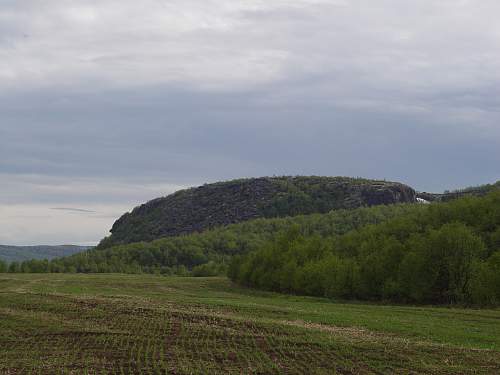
{"type": "Point", "coordinates": [476, 191]}
{"type": "Point", "coordinates": [21, 253]}
{"type": "Point", "coordinates": [218, 204]}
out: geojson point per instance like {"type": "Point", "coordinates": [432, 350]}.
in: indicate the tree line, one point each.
{"type": "Point", "coordinates": [447, 253]}
{"type": "Point", "coordinates": [209, 253]}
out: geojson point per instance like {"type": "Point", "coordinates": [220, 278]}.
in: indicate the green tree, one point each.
{"type": "Point", "coordinates": [453, 247]}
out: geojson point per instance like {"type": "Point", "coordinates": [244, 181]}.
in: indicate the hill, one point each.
{"type": "Point", "coordinates": [223, 203]}
{"type": "Point", "coordinates": [21, 253]}
{"type": "Point", "coordinates": [207, 253]}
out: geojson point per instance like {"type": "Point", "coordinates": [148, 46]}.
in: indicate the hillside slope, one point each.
{"type": "Point", "coordinates": [223, 203]}
{"type": "Point", "coordinates": [21, 253]}
{"type": "Point", "coordinates": [447, 253]}
{"type": "Point", "coordinates": [176, 254]}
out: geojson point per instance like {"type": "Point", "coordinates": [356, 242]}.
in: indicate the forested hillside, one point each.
{"type": "Point", "coordinates": [209, 252]}
{"type": "Point", "coordinates": [445, 253]}
{"type": "Point", "coordinates": [213, 205]}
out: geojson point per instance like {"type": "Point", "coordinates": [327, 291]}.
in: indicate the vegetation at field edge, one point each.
{"type": "Point", "coordinates": [448, 253]}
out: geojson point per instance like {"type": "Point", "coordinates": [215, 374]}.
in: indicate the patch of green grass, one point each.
{"type": "Point", "coordinates": [143, 324]}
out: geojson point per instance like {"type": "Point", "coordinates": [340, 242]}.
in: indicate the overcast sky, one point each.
{"type": "Point", "coordinates": [105, 104]}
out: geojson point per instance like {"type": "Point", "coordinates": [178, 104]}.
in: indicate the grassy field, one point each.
{"type": "Point", "coordinates": [142, 324]}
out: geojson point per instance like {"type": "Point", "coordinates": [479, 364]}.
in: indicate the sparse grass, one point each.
{"type": "Point", "coordinates": [142, 324]}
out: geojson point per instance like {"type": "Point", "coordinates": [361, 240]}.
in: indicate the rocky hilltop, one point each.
{"type": "Point", "coordinates": [200, 208]}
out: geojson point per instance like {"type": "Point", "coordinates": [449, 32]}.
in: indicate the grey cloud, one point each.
{"type": "Point", "coordinates": [225, 136]}
{"type": "Point", "coordinates": [18, 189]}
{"type": "Point", "coordinates": [71, 209]}
{"type": "Point", "coordinates": [104, 110]}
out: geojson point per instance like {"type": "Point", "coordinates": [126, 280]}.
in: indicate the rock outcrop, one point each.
{"type": "Point", "coordinates": [223, 203]}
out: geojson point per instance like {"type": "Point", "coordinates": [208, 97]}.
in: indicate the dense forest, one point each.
{"type": "Point", "coordinates": [208, 253]}
{"type": "Point", "coordinates": [444, 254]}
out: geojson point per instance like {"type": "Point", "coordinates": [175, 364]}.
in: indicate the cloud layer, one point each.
{"type": "Point", "coordinates": [108, 103]}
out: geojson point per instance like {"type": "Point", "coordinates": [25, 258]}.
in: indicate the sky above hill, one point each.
{"type": "Point", "coordinates": [107, 103]}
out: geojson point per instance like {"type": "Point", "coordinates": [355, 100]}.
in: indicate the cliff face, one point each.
{"type": "Point", "coordinates": [223, 203]}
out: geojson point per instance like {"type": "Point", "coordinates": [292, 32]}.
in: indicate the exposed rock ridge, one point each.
{"type": "Point", "coordinates": [222, 203]}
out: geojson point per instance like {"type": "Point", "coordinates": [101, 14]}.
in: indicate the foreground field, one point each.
{"type": "Point", "coordinates": [124, 324]}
